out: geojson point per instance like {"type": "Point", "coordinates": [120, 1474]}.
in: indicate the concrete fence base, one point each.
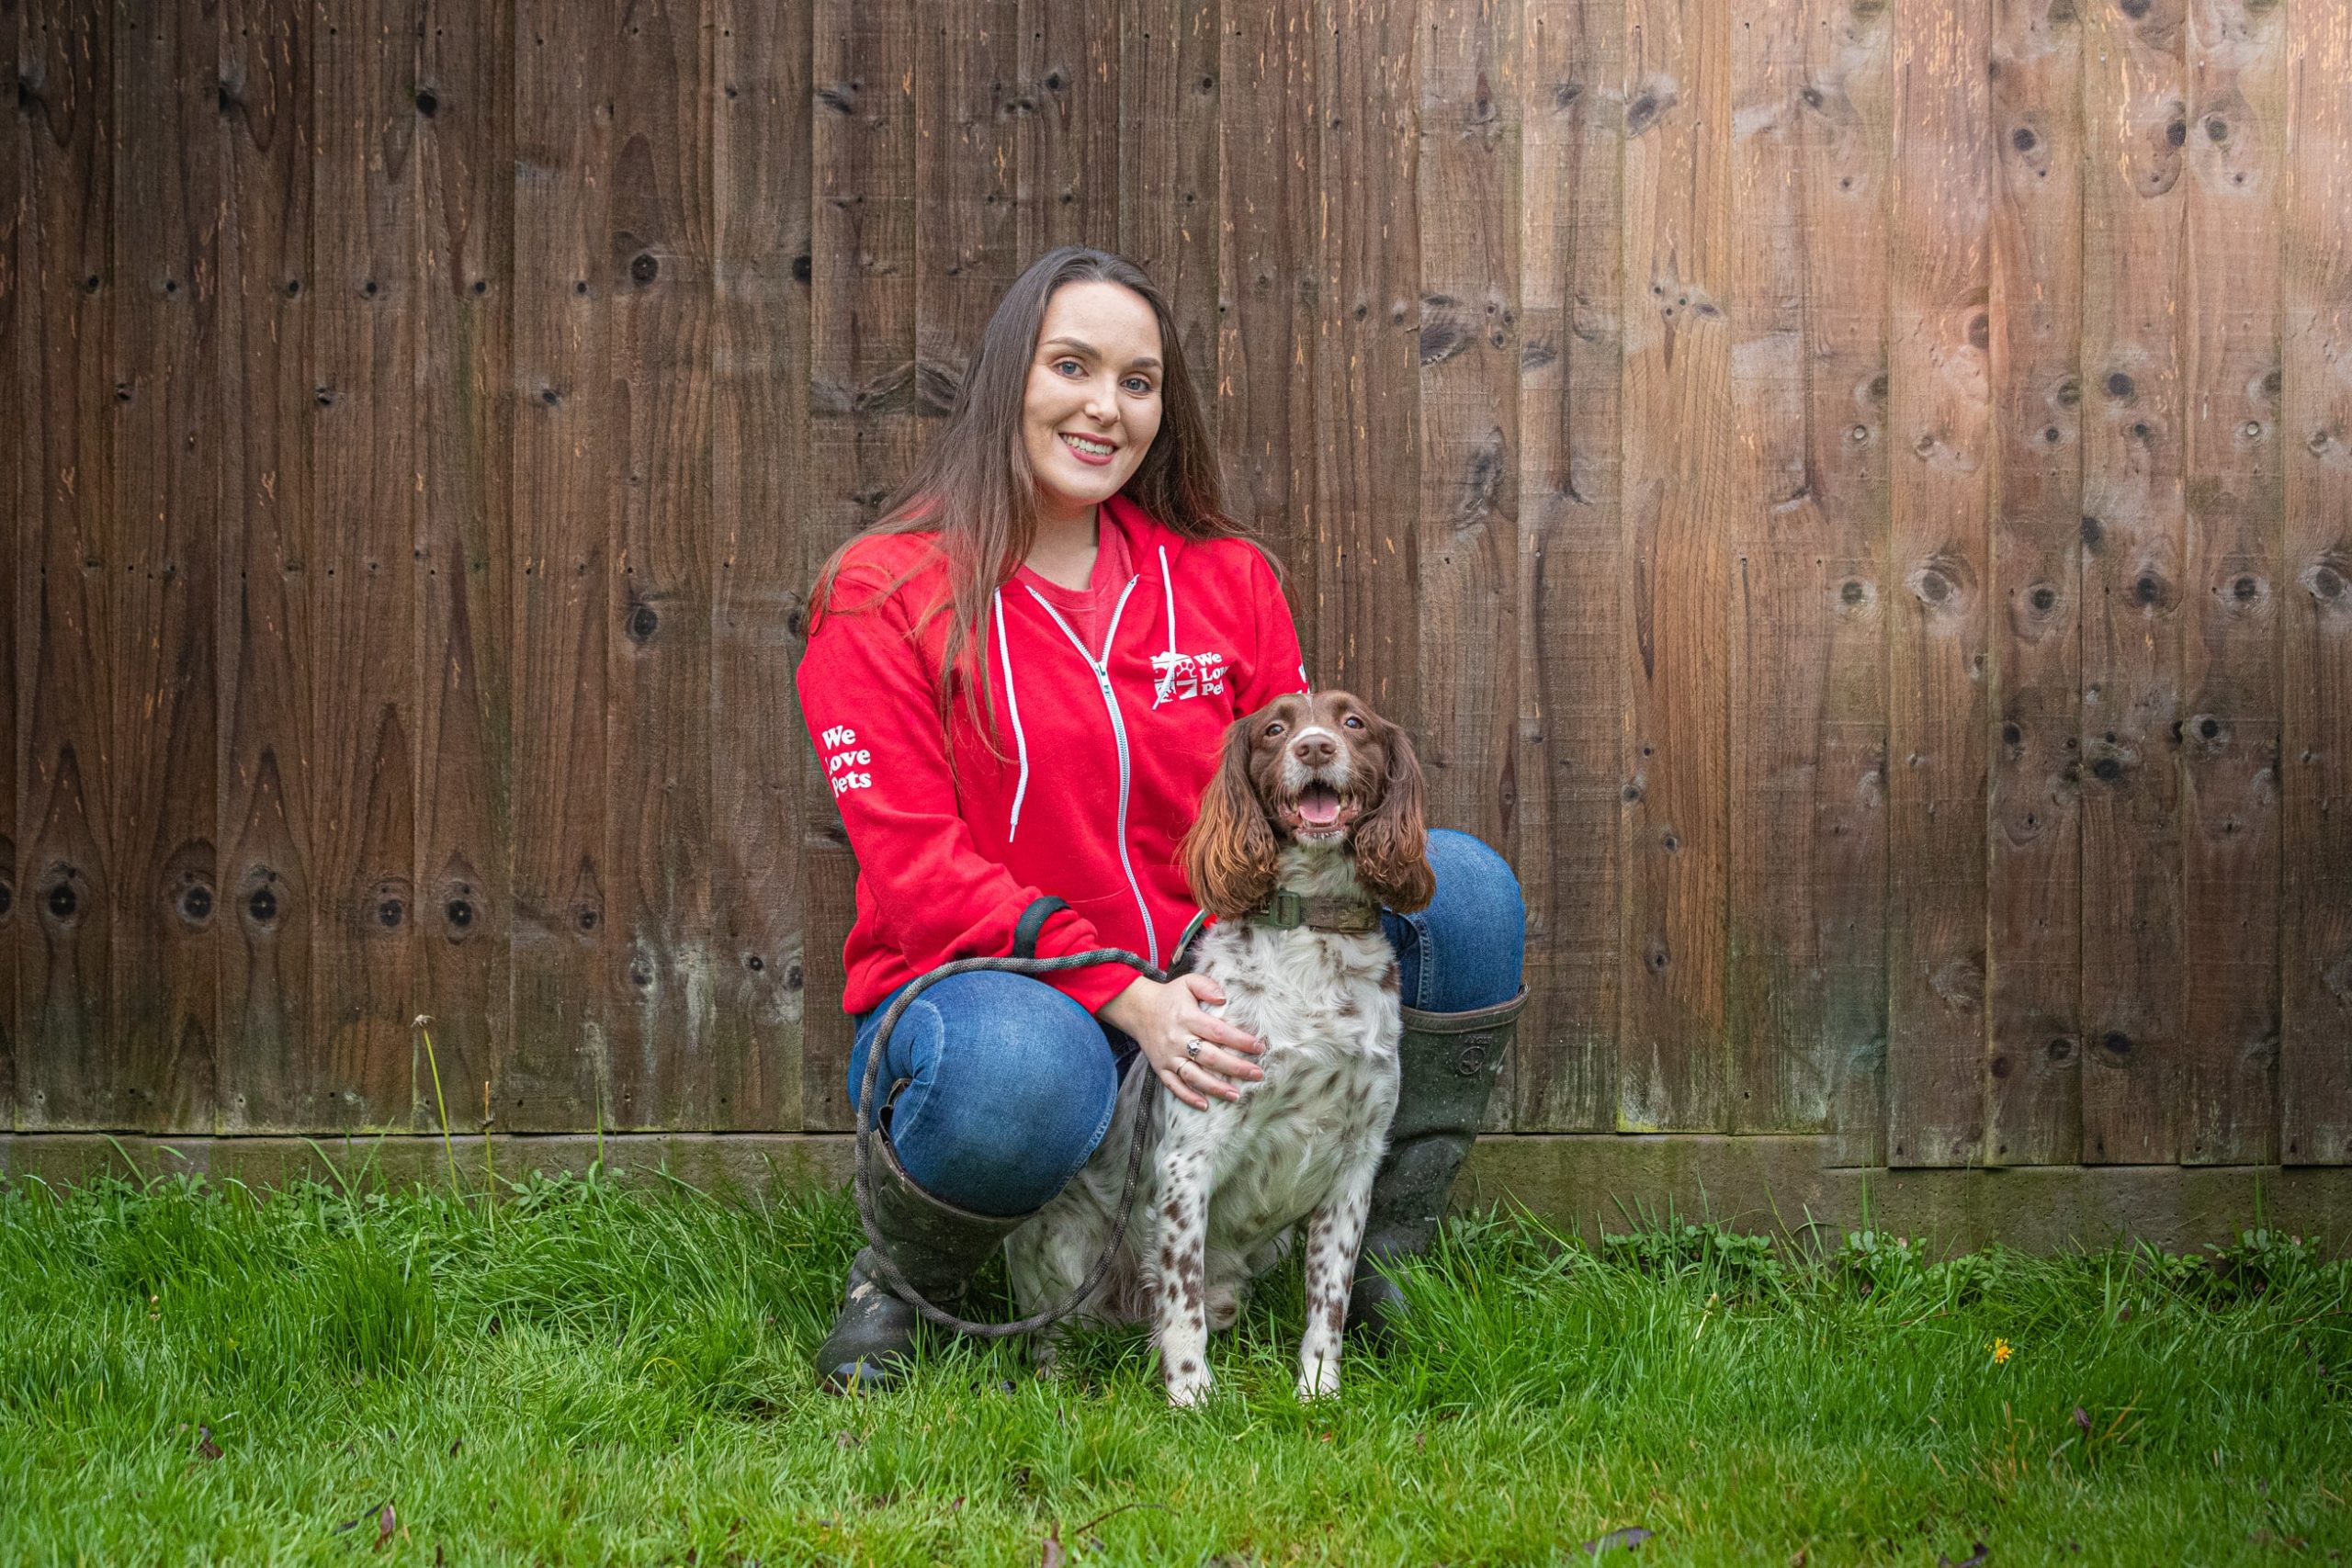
{"type": "Point", "coordinates": [1584, 1182]}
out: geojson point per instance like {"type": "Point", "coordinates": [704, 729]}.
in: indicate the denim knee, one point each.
{"type": "Point", "coordinates": [1468, 948]}
{"type": "Point", "coordinates": [1010, 1085]}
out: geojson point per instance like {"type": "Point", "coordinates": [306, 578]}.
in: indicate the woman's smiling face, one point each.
{"type": "Point", "coordinates": [1092, 403]}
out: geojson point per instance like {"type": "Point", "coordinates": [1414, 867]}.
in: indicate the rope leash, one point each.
{"type": "Point", "coordinates": [888, 1270]}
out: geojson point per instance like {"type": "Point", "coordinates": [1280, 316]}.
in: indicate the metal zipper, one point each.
{"type": "Point", "coordinates": [1119, 733]}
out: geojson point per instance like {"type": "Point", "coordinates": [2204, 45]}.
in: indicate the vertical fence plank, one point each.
{"type": "Point", "coordinates": [267, 1078]}
{"type": "Point", "coordinates": [968, 119]}
{"type": "Point", "coordinates": [1365, 366]}
{"type": "Point", "coordinates": [1807, 660]}
{"type": "Point", "coordinates": [2035, 834]}
{"type": "Point", "coordinates": [1938, 418]}
{"type": "Point", "coordinates": [1266, 283]}
{"type": "Point", "coordinates": [1168, 169]}
{"type": "Point", "coordinates": [657, 727]}
{"type": "Point", "coordinates": [565, 499]}
{"type": "Point", "coordinates": [862, 428]}
{"type": "Point", "coordinates": [72, 1072]}
{"type": "Point", "coordinates": [1467, 568]}
{"type": "Point", "coordinates": [2229, 741]}
{"type": "Point", "coordinates": [165, 722]}
{"type": "Point", "coordinates": [465, 108]}
{"type": "Point", "coordinates": [364, 573]}
{"type": "Point", "coordinates": [759, 485]}
{"type": "Point", "coordinates": [1849, 54]}
{"type": "Point", "coordinates": [1572, 161]}
{"type": "Point", "coordinates": [1070, 124]}
{"type": "Point", "coordinates": [17, 486]}
{"type": "Point", "coordinates": [2315, 591]}
{"type": "Point", "coordinates": [2133, 580]}
{"type": "Point", "coordinates": [1674, 1066]}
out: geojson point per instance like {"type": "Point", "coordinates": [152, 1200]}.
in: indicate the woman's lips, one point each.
{"type": "Point", "coordinates": [1092, 459]}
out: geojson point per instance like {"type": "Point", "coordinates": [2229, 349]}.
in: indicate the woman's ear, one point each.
{"type": "Point", "coordinates": [1230, 856]}
{"type": "Point", "coordinates": [1392, 844]}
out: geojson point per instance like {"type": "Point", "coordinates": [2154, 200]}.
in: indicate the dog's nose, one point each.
{"type": "Point", "coordinates": [1314, 750]}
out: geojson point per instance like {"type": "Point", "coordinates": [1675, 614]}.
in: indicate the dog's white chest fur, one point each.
{"type": "Point", "coordinates": [1224, 1188]}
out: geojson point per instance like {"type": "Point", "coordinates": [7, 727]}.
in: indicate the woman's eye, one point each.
{"type": "Point", "coordinates": [1140, 387]}
{"type": "Point", "coordinates": [1068, 365]}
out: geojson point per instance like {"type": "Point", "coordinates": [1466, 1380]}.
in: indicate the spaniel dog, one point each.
{"type": "Point", "coordinates": [1314, 822]}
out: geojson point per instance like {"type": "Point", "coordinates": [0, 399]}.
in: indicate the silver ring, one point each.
{"type": "Point", "coordinates": [1193, 1049]}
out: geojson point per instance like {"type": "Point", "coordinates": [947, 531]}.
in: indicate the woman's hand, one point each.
{"type": "Point", "coordinates": [1165, 1019]}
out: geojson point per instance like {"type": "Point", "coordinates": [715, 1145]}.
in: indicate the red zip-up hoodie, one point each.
{"type": "Point", "coordinates": [1101, 758]}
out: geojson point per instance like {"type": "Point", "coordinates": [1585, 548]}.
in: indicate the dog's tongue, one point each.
{"type": "Point", "coordinates": [1320, 804]}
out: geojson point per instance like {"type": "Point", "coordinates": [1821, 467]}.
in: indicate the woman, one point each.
{"type": "Point", "coordinates": [1017, 683]}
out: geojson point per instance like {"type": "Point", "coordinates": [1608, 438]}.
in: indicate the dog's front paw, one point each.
{"type": "Point", "coordinates": [1318, 1378]}
{"type": "Point", "coordinates": [1188, 1384]}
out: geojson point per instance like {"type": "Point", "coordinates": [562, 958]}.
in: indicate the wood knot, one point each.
{"type": "Point", "coordinates": [643, 268]}
{"type": "Point", "coordinates": [2060, 1049]}
{"type": "Point", "coordinates": [754, 963]}
{"type": "Point", "coordinates": [460, 915]}
{"type": "Point", "coordinates": [642, 624]}
{"type": "Point", "coordinates": [2023, 139]}
{"type": "Point", "coordinates": [427, 104]}
{"type": "Point", "coordinates": [195, 904]}
{"type": "Point", "coordinates": [586, 919]}
{"type": "Point", "coordinates": [2116, 1045]}
{"type": "Point", "coordinates": [390, 913]}
{"type": "Point", "coordinates": [2042, 597]}
{"type": "Point", "coordinates": [2092, 532]}
{"type": "Point", "coordinates": [2120, 385]}
{"type": "Point", "coordinates": [261, 907]}
{"type": "Point", "coordinates": [802, 271]}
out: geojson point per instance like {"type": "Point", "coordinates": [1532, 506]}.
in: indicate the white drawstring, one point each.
{"type": "Point", "coordinates": [1168, 584]}
{"type": "Point", "coordinates": [1012, 701]}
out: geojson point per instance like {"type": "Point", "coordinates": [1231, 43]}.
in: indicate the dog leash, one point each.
{"type": "Point", "coordinates": [1024, 961]}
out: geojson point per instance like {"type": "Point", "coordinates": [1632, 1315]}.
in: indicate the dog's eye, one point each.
{"type": "Point", "coordinates": [1273, 728]}
{"type": "Point", "coordinates": [1354, 723]}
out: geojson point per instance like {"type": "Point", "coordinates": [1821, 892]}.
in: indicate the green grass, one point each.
{"type": "Point", "coordinates": [618, 1374]}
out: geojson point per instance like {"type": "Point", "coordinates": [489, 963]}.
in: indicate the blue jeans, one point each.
{"type": "Point", "coordinates": [1009, 1084]}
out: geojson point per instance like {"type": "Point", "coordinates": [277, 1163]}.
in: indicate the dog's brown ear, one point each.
{"type": "Point", "coordinates": [1231, 857]}
{"type": "Point", "coordinates": [1392, 844]}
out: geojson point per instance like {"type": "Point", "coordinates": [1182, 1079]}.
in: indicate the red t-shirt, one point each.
{"type": "Point", "coordinates": [1088, 609]}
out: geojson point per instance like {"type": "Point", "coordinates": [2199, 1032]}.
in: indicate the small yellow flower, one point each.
{"type": "Point", "coordinates": [2001, 1351]}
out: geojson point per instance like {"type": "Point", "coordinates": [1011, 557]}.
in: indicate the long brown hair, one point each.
{"type": "Point", "coordinates": [974, 486]}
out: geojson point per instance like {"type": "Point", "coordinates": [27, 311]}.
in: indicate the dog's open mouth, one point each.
{"type": "Point", "coordinates": [1318, 812]}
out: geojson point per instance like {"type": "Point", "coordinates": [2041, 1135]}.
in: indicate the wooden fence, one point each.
{"type": "Point", "coordinates": [1854, 495]}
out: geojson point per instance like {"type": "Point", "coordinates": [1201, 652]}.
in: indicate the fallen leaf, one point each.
{"type": "Point", "coordinates": [2083, 1419]}
{"type": "Point", "coordinates": [1630, 1537]}
{"type": "Point", "coordinates": [364, 1517]}
{"type": "Point", "coordinates": [1051, 1555]}
{"type": "Point", "coordinates": [1975, 1560]}
{"type": "Point", "coordinates": [386, 1523]}
{"type": "Point", "coordinates": [846, 1439]}
{"type": "Point", "coordinates": [455, 1446]}
{"type": "Point", "coordinates": [1800, 1560]}
{"type": "Point", "coordinates": [206, 1448]}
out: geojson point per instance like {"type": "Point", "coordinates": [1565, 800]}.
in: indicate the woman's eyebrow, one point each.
{"type": "Point", "coordinates": [1141, 361]}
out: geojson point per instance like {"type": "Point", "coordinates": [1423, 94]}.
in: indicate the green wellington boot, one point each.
{"type": "Point", "coordinates": [936, 1245]}
{"type": "Point", "coordinates": [1447, 1065]}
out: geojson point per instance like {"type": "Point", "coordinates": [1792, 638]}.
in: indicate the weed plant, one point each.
{"type": "Point", "coordinates": [617, 1373]}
